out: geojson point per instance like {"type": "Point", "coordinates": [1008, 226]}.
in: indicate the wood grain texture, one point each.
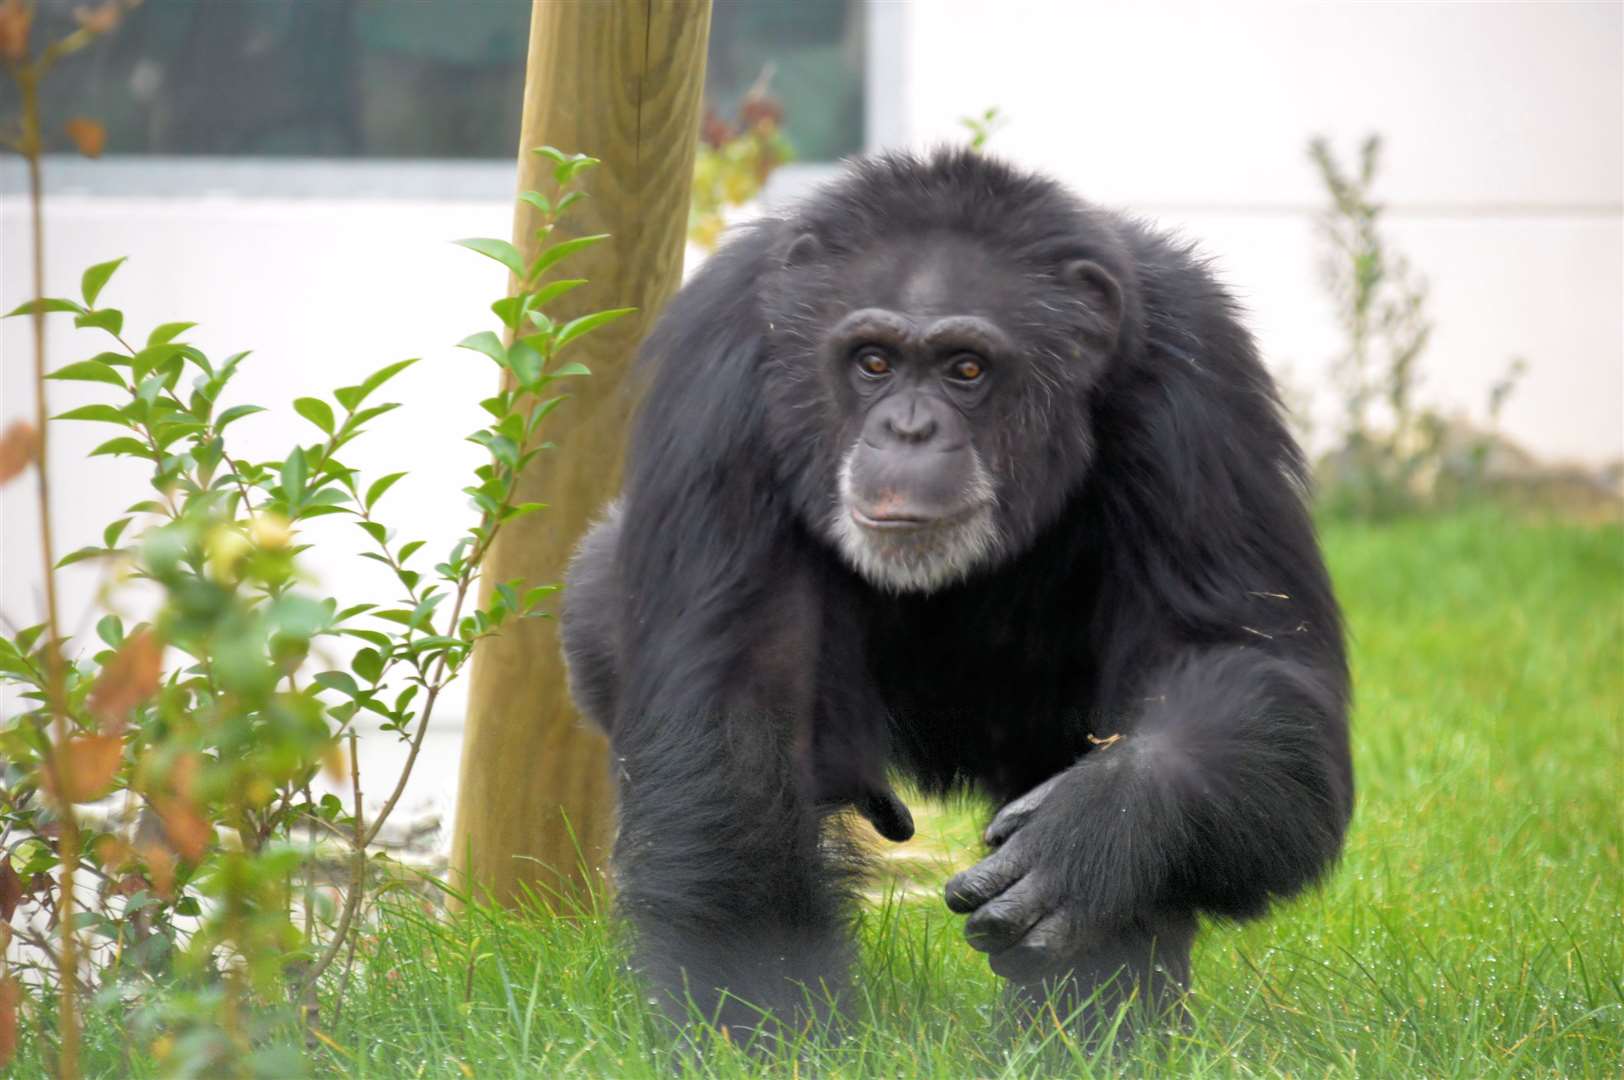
{"type": "Point", "coordinates": [621, 80]}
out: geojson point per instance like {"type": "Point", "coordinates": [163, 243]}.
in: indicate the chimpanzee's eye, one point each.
{"type": "Point", "coordinates": [873, 363]}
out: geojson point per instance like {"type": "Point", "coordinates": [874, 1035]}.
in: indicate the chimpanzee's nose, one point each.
{"type": "Point", "coordinates": [911, 423]}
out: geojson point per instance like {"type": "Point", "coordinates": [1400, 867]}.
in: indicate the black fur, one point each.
{"type": "Point", "coordinates": [1158, 579]}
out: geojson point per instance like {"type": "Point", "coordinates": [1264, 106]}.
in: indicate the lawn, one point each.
{"type": "Point", "coordinates": [1472, 929]}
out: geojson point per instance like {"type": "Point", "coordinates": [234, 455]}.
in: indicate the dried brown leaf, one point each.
{"type": "Point", "coordinates": [112, 852]}
{"type": "Point", "coordinates": [88, 135]}
{"type": "Point", "coordinates": [99, 20]}
{"type": "Point", "coordinates": [128, 679]}
{"type": "Point", "coordinates": [11, 890]}
{"type": "Point", "coordinates": [16, 19]}
{"type": "Point", "coordinates": [86, 766]}
{"type": "Point", "coordinates": [183, 773]}
{"type": "Point", "coordinates": [184, 826]}
{"type": "Point", "coordinates": [160, 869]}
{"type": "Point", "coordinates": [19, 446]}
{"type": "Point", "coordinates": [10, 995]}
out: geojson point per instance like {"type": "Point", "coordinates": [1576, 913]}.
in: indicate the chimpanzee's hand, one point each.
{"type": "Point", "coordinates": [1018, 914]}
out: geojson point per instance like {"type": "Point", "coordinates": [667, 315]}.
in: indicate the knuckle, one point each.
{"type": "Point", "coordinates": [962, 894]}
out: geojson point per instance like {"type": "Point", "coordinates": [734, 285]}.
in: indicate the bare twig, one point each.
{"type": "Point", "coordinates": [27, 79]}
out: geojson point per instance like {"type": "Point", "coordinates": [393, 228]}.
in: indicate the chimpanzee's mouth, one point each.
{"type": "Point", "coordinates": [904, 521]}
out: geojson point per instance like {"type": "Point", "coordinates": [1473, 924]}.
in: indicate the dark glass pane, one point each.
{"type": "Point", "coordinates": [403, 78]}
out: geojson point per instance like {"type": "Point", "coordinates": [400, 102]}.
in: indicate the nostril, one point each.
{"type": "Point", "coordinates": [916, 427]}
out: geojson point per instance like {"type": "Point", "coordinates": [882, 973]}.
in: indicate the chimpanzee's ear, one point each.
{"type": "Point", "coordinates": [1105, 291]}
{"type": "Point", "coordinates": [801, 250]}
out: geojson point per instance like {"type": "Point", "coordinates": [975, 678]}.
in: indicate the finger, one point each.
{"type": "Point", "coordinates": [986, 879]}
{"type": "Point", "coordinates": [1019, 812]}
{"type": "Point", "coordinates": [888, 814]}
{"type": "Point", "coordinates": [1007, 918]}
{"type": "Point", "coordinates": [1043, 951]}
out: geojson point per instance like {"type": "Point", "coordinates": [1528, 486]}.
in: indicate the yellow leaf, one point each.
{"type": "Point", "coordinates": [335, 763]}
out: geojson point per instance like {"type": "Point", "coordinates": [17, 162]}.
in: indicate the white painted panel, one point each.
{"type": "Point", "coordinates": [323, 292]}
{"type": "Point", "coordinates": [1212, 103]}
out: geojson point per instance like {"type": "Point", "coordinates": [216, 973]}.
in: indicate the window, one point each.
{"type": "Point", "coordinates": [406, 78]}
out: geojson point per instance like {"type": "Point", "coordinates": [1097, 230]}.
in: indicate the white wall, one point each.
{"type": "Point", "coordinates": [1503, 163]}
{"type": "Point", "coordinates": [323, 291]}
{"type": "Point", "coordinates": [1503, 125]}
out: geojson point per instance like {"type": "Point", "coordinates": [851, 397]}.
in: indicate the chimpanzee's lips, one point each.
{"type": "Point", "coordinates": [912, 520]}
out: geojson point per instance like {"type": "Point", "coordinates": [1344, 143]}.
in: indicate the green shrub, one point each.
{"type": "Point", "coordinates": [197, 732]}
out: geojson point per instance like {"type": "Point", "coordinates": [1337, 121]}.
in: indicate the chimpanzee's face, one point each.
{"type": "Point", "coordinates": [945, 362]}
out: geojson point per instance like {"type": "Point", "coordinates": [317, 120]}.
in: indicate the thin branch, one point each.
{"type": "Point", "coordinates": [27, 80]}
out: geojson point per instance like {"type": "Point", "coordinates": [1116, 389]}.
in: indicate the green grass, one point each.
{"type": "Point", "coordinates": [1473, 928]}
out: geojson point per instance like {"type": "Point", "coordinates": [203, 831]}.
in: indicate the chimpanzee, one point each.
{"type": "Point", "coordinates": [950, 474]}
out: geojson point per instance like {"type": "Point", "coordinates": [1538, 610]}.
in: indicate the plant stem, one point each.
{"type": "Point", "coordinates": [68, 844]}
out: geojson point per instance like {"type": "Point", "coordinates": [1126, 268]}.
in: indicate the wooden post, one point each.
{"type": "Point", "coordinates": [622, 81]}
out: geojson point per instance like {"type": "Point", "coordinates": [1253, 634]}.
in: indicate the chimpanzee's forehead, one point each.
{"type": "Point", "coordinates": [936, 275]}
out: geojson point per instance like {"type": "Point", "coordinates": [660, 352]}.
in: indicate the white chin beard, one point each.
{"type": "Point", "coordinates": [918, 560]}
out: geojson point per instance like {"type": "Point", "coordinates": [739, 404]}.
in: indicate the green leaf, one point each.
{"type": "Point", "coordinates": [88, 371]}
{"type": "Point", "coordinates": [560, 251]}
{"type": "Point", "coordinates": [525, 363]}
{"type": "Point", "coordinates": [367, 664]}
{"type": "Point", "coordinates": [236, 412]}
{"type": "Point", "coordinates": [487, 343]}
{"type": "Point", "coordinates": [154, 357]}
{"type": "Point", "coordinates": [378, 487]}
{"type": "Point", "coordinates": [540, 411]}
{"type": "Point", "coordinates": [164, 333]}
{"type": "Point", "coordinates": [109, 319]}
{"type": "Point", "coordinates": [111, 534]}
{"type": "Point", "coordinates": [425, 609]}
{"type": "Point", "coordinates": [408, 550]}
{"type": "Point", "coordinates": [123, 445]}
{"type": "Point", "coordinates": [105, 413]}
{"type": "Point", "coordinates": [44, 305]}
{"type": "Point", "coordinates": [110, 628]}
{"type": "Point", "coordinates": [500, 250]}
{"type": "Point", "coordinates": [315, 410]}
{"type": "Point", "coordinates": [574, 367]}
{"type": "Point", "coordinates": [551, 153]}
{"type": "Point", "coordinates": [298, 616]}
{"type": "Point", "coordinates": [537, 200]}
{"type": "Point", "coordinates": [90, 286]}
{"type": "Point", "coordinates": [379, 377]}
{"type": "Point", "coordinates": [81, 555]}
{"type": "Point", "coordinates": [294, 472]}
{"type": "Point", "coordinates": [507, 309]}
{"type": "Point", "coordinates": [566, 171]}
{"type": "Point", "coordinates": [337, 680]}
{"type": "Point", "coordinates": [588, 323]}
{"type": "Point", "coordinates": [554, 289]}
{"type": "Point", "coordinates": [375, 411]}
